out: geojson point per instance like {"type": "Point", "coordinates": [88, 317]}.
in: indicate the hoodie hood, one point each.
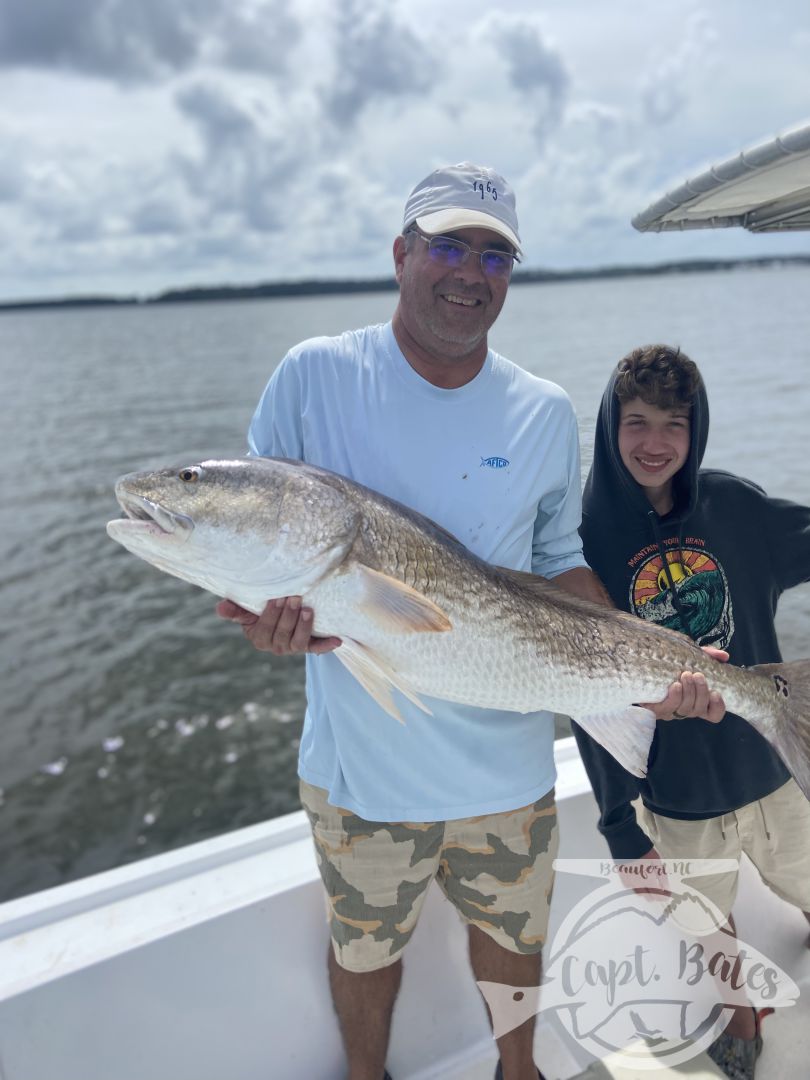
{"type": "Point", "coordinates": [610, 488]}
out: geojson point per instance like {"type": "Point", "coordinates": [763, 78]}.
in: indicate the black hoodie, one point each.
{"type": "Point", "coordinates": [713, 568]}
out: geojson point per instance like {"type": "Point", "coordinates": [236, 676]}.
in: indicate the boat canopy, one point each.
{"type": "Point", "coordinates": [765, 189]}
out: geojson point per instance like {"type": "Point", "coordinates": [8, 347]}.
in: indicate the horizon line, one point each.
{"type": "Point", "coordinates": [331, 286]}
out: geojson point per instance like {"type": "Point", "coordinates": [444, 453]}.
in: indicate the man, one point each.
{"type": "Point", "coordinates": [423, 411]}
{"type": "Point", "coordinates": [706, 553]}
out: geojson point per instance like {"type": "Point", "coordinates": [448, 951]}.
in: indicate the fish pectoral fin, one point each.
{"type": "Point", "coordinates": [626, 734]}
{"type": "Point", "coordinates": [376, 676]}
{"type": "Point", "coordinates": [396, 607]}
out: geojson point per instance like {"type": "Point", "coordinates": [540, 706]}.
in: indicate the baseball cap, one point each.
{"type": "Point", "coordinates": [463, 196]}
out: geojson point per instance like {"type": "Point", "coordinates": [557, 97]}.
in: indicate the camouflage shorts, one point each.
{"type": "Point", "coordinates": [496, 870]}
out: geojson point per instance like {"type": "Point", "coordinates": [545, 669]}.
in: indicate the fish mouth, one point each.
{"type": "Point", "coordinates": [151, 517]}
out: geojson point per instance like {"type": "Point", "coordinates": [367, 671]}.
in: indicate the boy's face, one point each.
{"type": "Point", "coordinates": [654, 445]}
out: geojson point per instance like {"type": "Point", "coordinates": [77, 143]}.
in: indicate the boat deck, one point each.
{"type": "Point", "coordinates": [209, 962]}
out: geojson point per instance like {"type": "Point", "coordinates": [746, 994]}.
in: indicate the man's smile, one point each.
{"type": "Point", "coordinates": [463, 301]}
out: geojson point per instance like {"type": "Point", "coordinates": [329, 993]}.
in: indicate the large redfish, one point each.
{"type": "Point", "coordinates": [420, 614]}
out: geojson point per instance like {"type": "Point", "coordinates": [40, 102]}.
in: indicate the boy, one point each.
{"type": "Point", "coordinates": [705, 553]}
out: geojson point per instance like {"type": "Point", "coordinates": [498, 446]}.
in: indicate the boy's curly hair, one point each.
{"type": "Point", "coordinates": [659, 375]}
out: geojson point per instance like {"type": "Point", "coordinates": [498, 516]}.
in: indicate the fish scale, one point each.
{"type": "Point", "coordinates": [497, 660]}
{"type": "Point", "coordinates": [420, 614]}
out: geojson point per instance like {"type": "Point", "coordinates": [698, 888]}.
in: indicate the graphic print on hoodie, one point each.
{"type": "Point", "coordinates": [713, 568]}
{"type": "Point", "coordinates": [698, 602]}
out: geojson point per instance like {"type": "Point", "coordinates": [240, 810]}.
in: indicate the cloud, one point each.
{"type": "Point", "coordinates": [12, 177]}
{"type": "Point", "coordinates": [135, 41]}
{"type": "Point", "coordinates": [115, 39]}
{"type": "Point", "coordinates": [533, 65]}
{"type": "Point", "coordinates": [676, 76]}
{"type": "Point", "coordinates": [260, 38]}
{"type": "Point", "coordinates": [536, 70]}
{"type": "Point", "coordinates": [249, 155]}
{"type": "Point", "coordinates": [593, 177]}
{"type": "Point", "coordinates": [376, 58]}
{"type": "Point", "coordinates": [159, 213]}
{"type": "Point", "coordinates": [219, 119]}
{"type": "Point", "coordinates": [83, 225]}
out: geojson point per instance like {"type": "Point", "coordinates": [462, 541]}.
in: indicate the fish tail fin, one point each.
{"type": "Point", "coordinates": [792, 737]}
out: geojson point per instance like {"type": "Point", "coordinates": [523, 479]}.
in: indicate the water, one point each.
{"type": "Point", "coordinates": [135, 721]}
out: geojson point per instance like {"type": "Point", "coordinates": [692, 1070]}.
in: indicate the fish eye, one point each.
{"type": "Point", "coordinates": [191, 475]}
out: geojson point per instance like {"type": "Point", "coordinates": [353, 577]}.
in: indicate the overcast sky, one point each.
{"type": "Point", "coordinates": [147, 144]}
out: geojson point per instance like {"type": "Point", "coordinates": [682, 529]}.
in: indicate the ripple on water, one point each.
{"type": "Point", "coordinates": [146, 792]}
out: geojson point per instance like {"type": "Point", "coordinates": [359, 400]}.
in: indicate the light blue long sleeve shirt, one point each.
{"type": "Point", "coordinates": [496, 463]}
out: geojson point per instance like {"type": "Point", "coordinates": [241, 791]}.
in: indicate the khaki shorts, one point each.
{"type": "Point", "coordinates": [496, 870]}
{"type": "Point", "coordinates": [774, 833]}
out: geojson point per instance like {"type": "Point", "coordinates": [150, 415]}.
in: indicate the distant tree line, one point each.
{"type": "Point", "coordinates": [269, 290]}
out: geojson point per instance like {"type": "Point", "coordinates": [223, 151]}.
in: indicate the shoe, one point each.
{"type": "Point", "coordinates": [736, 1057]}
{"type": "Point", "coordinates": [499, 1073]}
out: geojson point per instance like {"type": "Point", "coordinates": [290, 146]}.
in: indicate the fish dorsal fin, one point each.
{"type": "Point", "coordinates": [376, 676]}
{"type": "Point", "coordinates": [396, 607]}
{"type": "Point", "coordinates": [626, 734]}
